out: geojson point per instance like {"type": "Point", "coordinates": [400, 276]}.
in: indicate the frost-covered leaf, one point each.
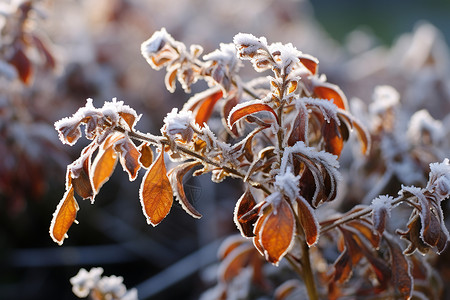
{"type": "Point", "coordinates": [276, 233]}
{"type": "Point", "coordinates": [103, 167]}
{"type": "Point", "coordinates": [403, 281]}
{"type": "Point", "coordinates": [234, 262]}
{"type": "Point", "coordinates": [247, 108]}
{"type": "Point", "coordinates": [80, 173]}
{"type": "Point", "coordinates": [156, 192]}
{"type": "Point", "coordinates": [310, 62]}
{"type": "Point", "coordinates": [381, 210]}
{"type": "Point", "coordinates": [202, 104]}
{"type": "Point", "coordinates": [129, 157]}
{"type": "Point", "coordinates": [308, 221]}
{"type": "Point", "coordinates": [178, 125]}
{"type": "Point", "coordinates": [146, 157]}
{"type": "Point", "coordinates": [176, 179]}
{"type": "Point", "coordinates": [64, 216]}
{"type": "Point", "coordinates": [325, 90]}
{"type": "Point", "coordinates": [299, 131]}
{"type": "Point", "coordinates": [244, 205]}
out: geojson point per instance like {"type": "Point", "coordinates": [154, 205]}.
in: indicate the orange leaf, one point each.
{"type": "Point", "coordinates": [176, 179]}
{"type": "Point", "coordinates": [64, 216]}
{"type": "Point", "coordinates": [203, 113]}
{"type": "Point", "coordinates": [310, 63]}
{"type": "Point", "coordinates": [129, 157]}
{"type": "Point", "coordinates": [332, 137]}
{"type": "Point", "coordinates": [103, 166]}
{"type": "Point", "coordinates": [235, 262]}
{"type": "Point", "coordinates": [308, 221]}
{"type": "Point", "coordinates": [245, 204]}
{"type": "Point", "coordinates": [156, 193]}
{"type": "Point", "coordinates": [277, 232]}
{"type": "Point", "coordinates": [146, 157]}
{"type": "Point", "coordinates": [325, 90]}
{"type": "Point", "coordinates": [246, 109]}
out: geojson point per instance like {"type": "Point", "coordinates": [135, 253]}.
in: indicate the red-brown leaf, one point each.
{"type": "Point", "coordinates": [235, 262]}
{"type": "Point", "coordinates": [245, 204]}
{"type": "Point", "coordinates": [156, 192]}
{"type": "Point", "coordinates": [146, 157]}
{"type": "Point", "coordinates": [400, 270]}
{"type": "Point", "coordinates": [310, 63]}
{"type": "Point", "coordinates": [277, 233]}
{"type": "Point", "coordinates": [248, 109]}
{"type": "Point", "coordinates": [325, 90]}
{"type": "Point", "coordinates": [64, 216]}
{"type": "Point", "coordinates": [308, 221]}
{"type": "Point", "coordinates": [204, 111]}
{"type": "Point", "coordinates": [23, 66]}
{"type": "Point", "coordinates": [332, 137]}
{"type": "Point", "coordinates": [129, 157]}
{"type": "Point", "coordinates": [226, 109]}
{"type": "Point", "coordinates": [176, 180]}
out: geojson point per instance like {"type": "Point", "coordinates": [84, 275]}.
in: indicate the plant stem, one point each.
{"type": "Point", "coordinates": [308, 276]}
{"type": "Point", "coordinates": [156, 140]}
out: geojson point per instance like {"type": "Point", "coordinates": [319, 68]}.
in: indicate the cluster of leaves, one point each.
{"type": "Point", "coordinates": [282, 136]}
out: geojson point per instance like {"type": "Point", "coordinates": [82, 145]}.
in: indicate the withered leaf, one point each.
{"type": "Point", "coordinates": [146, 157]}
{"type": "Point", "coordinates": [156, 194]}
{"type": "Point", "coordinates": [176, 180]}
{"type": "Point", "coordinates": [245, 204]}
{"type": "Point", "coordinates": [299, 130]}
{"type": "Point", "coordinates": [332, 137]}
{"type": "Point", "coordinates": [226, 109]}
{"type": "Point", "coordinates": [23, 65]}
{"type": "Point", "coordinates": [234, 262]}
{"type": "Point", "coordinates": [277, 233]}
{"type": "Point", "coordinates": [229, 244]}
{"type": "Point", "coordinates": [129, 157]}
{"type": "Point", "coordinates": [310, 62]}
{"type": "Point", "coordinates": [325, 90]}
{"type": "Point", "coordinates": [103, 167]}
{"type": "Point", "coordinates": [64, 216]}
{"type": "Point", "coordinates": [248, 108]}
{"type": "Point", "coordinates": [204, 111]}
{"type": "Point", "coordinates": [401, 274]}
{"type": "Point", "coordinates": [80, 171]}
{"type": "Point", "coordinates": [308, 221]}
{"type": "Point", "coordinates": [170, 78]}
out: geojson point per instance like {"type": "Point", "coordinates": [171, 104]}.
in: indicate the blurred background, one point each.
{"type": "Point", "coordinates": [91, 49]}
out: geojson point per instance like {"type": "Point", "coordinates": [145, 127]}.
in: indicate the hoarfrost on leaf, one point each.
{"type": "Point", "coordinates": [287, 182]}
{"type": "Point", "coordinates": [179, 123]}
{"type": "Point", "coordinates": [422, 123]}
{"type": "Point", "coordinates": [440, 179]}
{"type": "Point", "coordinates": [385, 97]}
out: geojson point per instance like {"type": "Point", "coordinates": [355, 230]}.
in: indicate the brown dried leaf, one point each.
{"type": "Point", "coordinates": [204, 111]}
{"type": "Point", "coordinates": [176, 180]}
{"type": "Point", "coordinates": [156, 194]}
{"type": "Point", "coordinates": [244, 205]}
{"type": "Point", "coordinates": [325, 90]}
{"type": "Point", "coordinates": [80, 171]}
{"type": "Point", "coordinates": [333, 140]}
{"type": "Point", "coordinates": [229, 244]}
{"type": "Point", "coordinates": [146, 157]}
{"type": "Point", "coordinates": [170, 78]}
{"type": "Point", "coordinates": [23, 65]}
{"type": "Point", "coordinates": [277, 233]}
{"type": "Point", "coordinates": [129, 157]}
{"type": "Point", "coordinates": [401, 274]}
{"type": "Point", "coordinates": [299, 130]}
{"type": "Point", "coordinates": [64, 216]}
{"type": "Point", "coordinates": [248, 109]}
{"type": "Point", "coordinates": [310, 62]}
{"type": "Point", "coordinates": [103, 167]}
{"type": "Point", "coordinates": [308, 221]}
{"type": "Point", "coordinates": [234, 262]}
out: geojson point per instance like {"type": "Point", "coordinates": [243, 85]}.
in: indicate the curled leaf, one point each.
{"type": "Point", "coordinates": [176, 180]}
{"type": "Point", "coordinates": [244, 205]}
{"type": "Point", "coordinates": [156, 194]}
{"type": "Point", "coordinates": [308, 221]}
{"type": "Point", "coordinates": [129, 157]}
{"type": "Point", "coordinates": [248, 108]}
